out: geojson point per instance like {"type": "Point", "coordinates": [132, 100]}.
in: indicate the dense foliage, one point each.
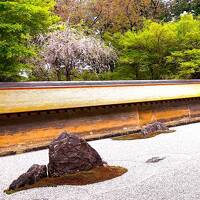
{"type": "Point", "coordinates": [160, 50]}
{"type": "Point", "coordinates": [20, 22]}
{"type": "Point", "coordinates": [109, 15]}
{"type": "Point", "coordinates": [99, 40]}
{"type": "Point", "coordinates": [177, 7]}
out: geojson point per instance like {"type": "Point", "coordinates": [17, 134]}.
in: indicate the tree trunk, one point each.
{"type": "Point", "coordinates": [136, 68]}
{"type": "Point", "coordinates": [151, 73]}
{"type": "Point", "coordinates": [58, 74]}
{"type": "Point", "coordinates": [67, 74]}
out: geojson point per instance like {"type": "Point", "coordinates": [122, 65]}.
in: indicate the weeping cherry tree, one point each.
{"type": "Point", "coordinates": [66, 50]}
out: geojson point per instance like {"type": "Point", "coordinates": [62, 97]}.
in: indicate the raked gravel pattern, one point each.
{"type": "Point", "coordinates": [175, 178]}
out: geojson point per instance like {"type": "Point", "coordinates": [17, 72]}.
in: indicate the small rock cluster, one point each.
{"type": "Point", "coordinates": [153, 128]}
{"type": "Point", "coordinates": [67, 154]}
{"type": "Point", "coordinates": [34, 174]}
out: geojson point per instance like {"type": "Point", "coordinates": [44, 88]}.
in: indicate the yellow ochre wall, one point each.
{"type": "Point", "coordinates": [24, 100]}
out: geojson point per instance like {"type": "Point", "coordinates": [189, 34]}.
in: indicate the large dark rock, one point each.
{"type": "Point", "coordinates": [154, 128]}
{"type": "Point", "coordinates": [69, 154]}
{"type": "Point", "coordinates": [34, 174]}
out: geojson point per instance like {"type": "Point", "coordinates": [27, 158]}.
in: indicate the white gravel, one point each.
{"type": "Point", "coordinates": [175, 178]}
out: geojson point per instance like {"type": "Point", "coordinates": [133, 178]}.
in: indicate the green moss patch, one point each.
{"type": "Point", "coordinates": [136, 136]}
{"type": "Point", "coordinates": [95, 175]}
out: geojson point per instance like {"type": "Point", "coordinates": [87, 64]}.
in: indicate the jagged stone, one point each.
{"type": "Point", "coordinates": [34, 174]}
{"type": "Point", "coordinates": [69, 154]}
{"type": "Point", "coordinates": [153, 128]}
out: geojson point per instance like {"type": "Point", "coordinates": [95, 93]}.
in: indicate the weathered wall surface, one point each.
{"type": "Point", "coordinates": [26, 100]}
{"type": "Point", "coordinates": [19, 132]}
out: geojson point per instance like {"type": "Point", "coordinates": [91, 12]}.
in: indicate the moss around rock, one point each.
{"type": "Point", "coordinates": [136, 136]}
{"type": "Point", "coordinates": [147, 131]}
{"type": "Point", "coordinates": [95, 175]}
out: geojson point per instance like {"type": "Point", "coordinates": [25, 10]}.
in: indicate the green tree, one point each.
{"type": "Point", "coordinates": [148, 50]}
{"type": "Point", "coordinates": [145, 50]}
{"type": "Point", "coordinates": [186, 59]}
{"type": "Point", "coordinates": [188, 62]}
{"type": "Point", "coordinates": [177, 7]}
{"type": "Point", "coordinates": [20, 22]}
{"type": "Point", "coordinates": [188, 32]}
